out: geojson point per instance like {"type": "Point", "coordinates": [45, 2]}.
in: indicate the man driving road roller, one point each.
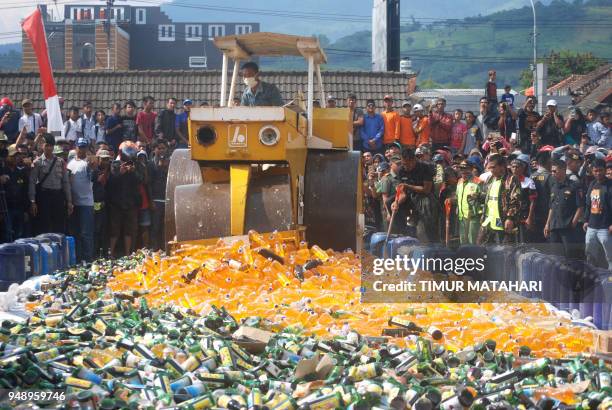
{"type": "Point", "coordinates": [258, 93]}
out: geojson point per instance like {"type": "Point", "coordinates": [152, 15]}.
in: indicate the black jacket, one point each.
{"type": "Point", "coordinates": [165, 124]}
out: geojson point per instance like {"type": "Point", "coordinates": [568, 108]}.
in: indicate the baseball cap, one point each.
{"type": "Point", "coordinates": [187, 102]}
{"type": "Point", "coordinates": [26, 101]}
{"type": "Point", "coordinates": [141, 153]}
{"type": "Point", "coordinates": [330, 97]}
{"type": "Point", "coordinates": [102, 153]}
{"type": "Point", "coordinates": [552, 103]}
{"type": "Point", "coordinates": [57, 150]}
{"type": "Point", "coordinates": [82, 142]}
{"type": "Point", "coordinates": [572, 155]}
{"type": "Point", "coordinates": [405, 103]}
{"type": "Point", "coordinates": [395, 158]}
{"type": "Point", "coordinates": [523, 158]}
{"type": "Point", "coordinates": [383, 166]}
{"type": "Point", "coordinates": [546, 148]}
{"type": "Point", "coordinates": [387, 97]}
{"type": "Point", "coordinates": [397, 144]}
{"type": "Point", "coordinates": [6, 101]}
{"type": "Point", "coordinates": [417, 107]}
{"type": "Point", "coordinates": [128, 148]}
{"type": "Point", "coordinates": [476, 162]}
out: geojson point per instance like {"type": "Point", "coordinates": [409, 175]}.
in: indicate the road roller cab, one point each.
{"type": "Point", "coordinates": [289, 169]}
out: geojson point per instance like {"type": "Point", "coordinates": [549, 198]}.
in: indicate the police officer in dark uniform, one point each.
{"type": "Point", "coordinates": [566, 208]}
{"type": "Point", "coordinates": [573, 159]}
{"type": "Point", "coordinates": [543, 181]}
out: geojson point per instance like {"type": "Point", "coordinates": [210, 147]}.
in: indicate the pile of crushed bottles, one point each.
{"type": "Point", "coordinates": [319, 291]}
{"type": "Point", "coordinates": [151, 331]}
{"type": "Point", "coordinates": [107, 350]}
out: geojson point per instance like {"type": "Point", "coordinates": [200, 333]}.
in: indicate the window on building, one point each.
{"type": "Point", "coordinates": [193, 32]}
{"type": "Point", "coordinates": [243, 29]}
{"type": "Point", "coordinates": [197, 62]}
{"type": "Point", "coordinates": [216, 30]}
{"type": "Point", "coordinates": [141, 16]}
{"type": "Point", "coordinates": [117, 13]}
{"type": "Point", "coordinates": [81, 13]}
{"type": "Point", "coordinates": [166, 32]}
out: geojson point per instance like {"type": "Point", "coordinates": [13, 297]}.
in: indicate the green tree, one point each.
{"type": "Point", "coordinates": [564, 63]}
{"type": "Point", "coordinates": [429, 83]}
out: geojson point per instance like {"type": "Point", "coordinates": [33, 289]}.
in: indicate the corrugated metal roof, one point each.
{"type": "Point", "coordinates": [444, 92]}
{"type": "Point", "coordinates": [105, 88]}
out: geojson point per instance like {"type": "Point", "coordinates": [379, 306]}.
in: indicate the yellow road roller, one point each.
{"type": "Point", "coordinates": [290, 169]}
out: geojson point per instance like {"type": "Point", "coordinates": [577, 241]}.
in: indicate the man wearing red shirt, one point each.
{"type": "Point", "coordinates": [392, 122]}
{"type": "Point", "coordinates": [145, 120]}
{"type": "Point", "coordinates": [441, 124]}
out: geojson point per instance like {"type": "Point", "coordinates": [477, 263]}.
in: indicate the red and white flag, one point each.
{"type": "Point", "coordinates": [35, 30]}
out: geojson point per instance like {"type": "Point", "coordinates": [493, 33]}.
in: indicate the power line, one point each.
{"type": "Point", "coordinates": [460, 58]}
{"type": "Point", "coordinates": [366, 19]}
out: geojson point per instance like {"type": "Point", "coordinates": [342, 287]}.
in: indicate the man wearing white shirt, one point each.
{"type": "Point", "coordinates": [73, 128]}
{"type": "Point", "coordinates": [30, 120]}
{"type": "Point", "coordinates": [80, 170]}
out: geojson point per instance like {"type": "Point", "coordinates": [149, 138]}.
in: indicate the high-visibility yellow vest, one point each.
{"type": "Point", "coordinates": [464, 190]}
{"type": "Point", "coordinates": [493, 206]}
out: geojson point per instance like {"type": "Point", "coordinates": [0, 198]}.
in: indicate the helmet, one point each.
{"type": "Point", "coordinates": [6, 101]}
{"type": "Point", "coordinates": [128, 149]}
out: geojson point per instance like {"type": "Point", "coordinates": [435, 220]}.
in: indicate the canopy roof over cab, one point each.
{"type": "Point", "coordinates": [243, 47]}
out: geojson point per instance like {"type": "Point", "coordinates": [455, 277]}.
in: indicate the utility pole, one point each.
{"type": "Point", "coordinates": [535, 49]}
{"type": "Point", "coordinates": [107, 27]}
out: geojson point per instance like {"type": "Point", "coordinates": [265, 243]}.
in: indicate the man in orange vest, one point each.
{"type": "Point", "coordinates": [407, 136]}
{"type": "Point", "coordinates": [391, 119]}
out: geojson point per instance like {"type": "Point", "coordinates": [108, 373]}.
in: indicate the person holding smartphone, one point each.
{"type": "Point", "coordinates": [550, 125]}
{"type": "Point", "coordinates": [123, 197]}
{"type": "Point", "coordinates": [9, 119]}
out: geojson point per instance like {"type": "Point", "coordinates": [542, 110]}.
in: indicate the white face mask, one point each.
{"type": "Point", "coordinates": [250, 82]}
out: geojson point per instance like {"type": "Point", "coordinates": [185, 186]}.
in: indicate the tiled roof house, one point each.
{"type": "Point", "coordinates": [104, 88]}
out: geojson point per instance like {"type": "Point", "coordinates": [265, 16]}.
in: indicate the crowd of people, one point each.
{"type": "Point", "coordinates": [505, 175]}
{"type": "Point", "coordinates": [103, 180]}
